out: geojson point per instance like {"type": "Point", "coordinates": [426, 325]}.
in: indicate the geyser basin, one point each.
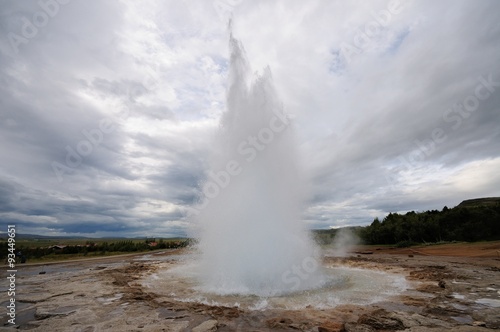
{"type": "Point", "coordinates": [178, 280]}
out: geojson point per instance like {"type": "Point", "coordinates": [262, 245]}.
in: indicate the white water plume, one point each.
{"type": "Point", "coordinates": [251, 238]}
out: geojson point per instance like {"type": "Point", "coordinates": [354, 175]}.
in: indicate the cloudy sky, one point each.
{"type": "Point", "coordinates": [108, 108]}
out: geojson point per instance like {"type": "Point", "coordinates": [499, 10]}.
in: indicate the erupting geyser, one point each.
{"type": "Point", "coordinates": [251, 238]}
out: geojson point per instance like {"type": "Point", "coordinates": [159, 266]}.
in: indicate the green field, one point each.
{"type": "Point", "coordinates": [40, 250]}
{"type": "Point", "coordinates": [47, 242]}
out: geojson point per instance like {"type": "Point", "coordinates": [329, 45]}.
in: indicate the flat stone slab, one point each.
{"type": "Point", "coordinates": [42, 313]}
{"type": "Point", "coordinates": [209, 325]}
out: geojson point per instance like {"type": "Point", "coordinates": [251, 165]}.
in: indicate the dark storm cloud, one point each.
{"type": "Point", "coordinates": [182, 184]}
{"type": "Point", "coordinates": [87, 227]}
{"type": "Point", "coordinates": [7, 190]}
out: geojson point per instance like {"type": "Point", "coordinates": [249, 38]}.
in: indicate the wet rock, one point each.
{"type": "Point", "coordinates": [331, 327]}
{"type": "Point", "coordinates": [39, 296]}
{"type": "Point", "coordinates": [489, 316]}
{"type": "Point", "coordinates": [442, 310]}
{"type": "Point", "coordinates": [279, 322]}
{"type": "Point", "coordinates": [460, 328]}
{"type": "Point", "coordinates": [209, 325]}
{"type": "Point", "coordinates": [285, 323]}
{"type": "Point", "coordinates": [85, 329]}
{"type": "Point", "coordinates": [381, 320]}
{"type": "Point", "coordinates": [296, 326]}
{"type": "Point", "coordinates": [353, 327]}
{"type": "Point", "coordinates": [44, 313]}
{"type": "Point", "coordinates": [411, 320]}
{"type": "Point", "coordinates": [172, 314]}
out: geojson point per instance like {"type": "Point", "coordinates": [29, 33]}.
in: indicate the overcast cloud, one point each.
{"type": "Point", "coordinates": [108, 108]}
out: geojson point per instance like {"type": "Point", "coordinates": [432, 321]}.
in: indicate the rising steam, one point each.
{"type": "Point", "coordinates": [343, 242]}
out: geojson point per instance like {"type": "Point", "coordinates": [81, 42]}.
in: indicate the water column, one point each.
{"type": "Point", "coordinates": [251, 237]}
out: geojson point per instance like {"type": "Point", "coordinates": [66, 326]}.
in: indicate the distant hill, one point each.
{"type": "Point", "coordinates": [20, 236]}
{"type": "Point", "coordinates": [487, 201]}
{"type": "Point", "coordinates": [44, 237]}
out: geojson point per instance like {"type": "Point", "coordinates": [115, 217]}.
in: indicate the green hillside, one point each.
{"type": "Point", "coordinates": [477, 202]}
{"type": "Point", "coordinates": [472, 220]}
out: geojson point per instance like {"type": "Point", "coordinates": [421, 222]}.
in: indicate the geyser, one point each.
{"type": "Point", "coordinates": [251, 238]}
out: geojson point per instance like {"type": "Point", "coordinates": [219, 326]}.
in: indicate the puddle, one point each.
{"type": "Point", "coordinates": [460, 282]}
{"type": "Point", "coordinates": [65, 310]}
{"type": "Point", "coordinates": [489, 302]}
{"type": "Point", "coordinates": [171, 314]}
{"type": "Point", "coordinates": [157, 258]}
{"type": "Point", "coordinates": [109, 300]}
{"type": "Point", "coordinates": [397, 306]}
{"type": "Point", "coordinates": [459, 306]}
{"type": "Point", "coordinates": [25, 312]}
{"type": "Point", "coordinates": [458, 296]}
{"type": "Point", "coordinates": [466, 320]}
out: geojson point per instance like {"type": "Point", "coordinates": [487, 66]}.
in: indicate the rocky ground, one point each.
{"type": "Point", "coordinates": [459, 293]}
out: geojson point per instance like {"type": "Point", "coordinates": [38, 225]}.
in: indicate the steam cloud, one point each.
{"type": "Point", "coordinates": [343, 241]}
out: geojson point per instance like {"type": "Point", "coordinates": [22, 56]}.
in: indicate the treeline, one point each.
{"type": "Point", "coordinates": [476, 223]}
{"type": "Point", "coordinates": [92, 248]}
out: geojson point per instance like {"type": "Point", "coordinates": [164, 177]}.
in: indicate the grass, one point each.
{"type": "Point", "coordinates": [34, 243]}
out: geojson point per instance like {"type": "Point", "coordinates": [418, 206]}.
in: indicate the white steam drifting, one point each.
{"type": "Point", "coordinates": [343, 242]}
{"type": "Point", "coordinates": [251, 237]}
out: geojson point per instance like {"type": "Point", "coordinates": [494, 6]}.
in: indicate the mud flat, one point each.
{"type": "Point", "coordinates": [456, 292]}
